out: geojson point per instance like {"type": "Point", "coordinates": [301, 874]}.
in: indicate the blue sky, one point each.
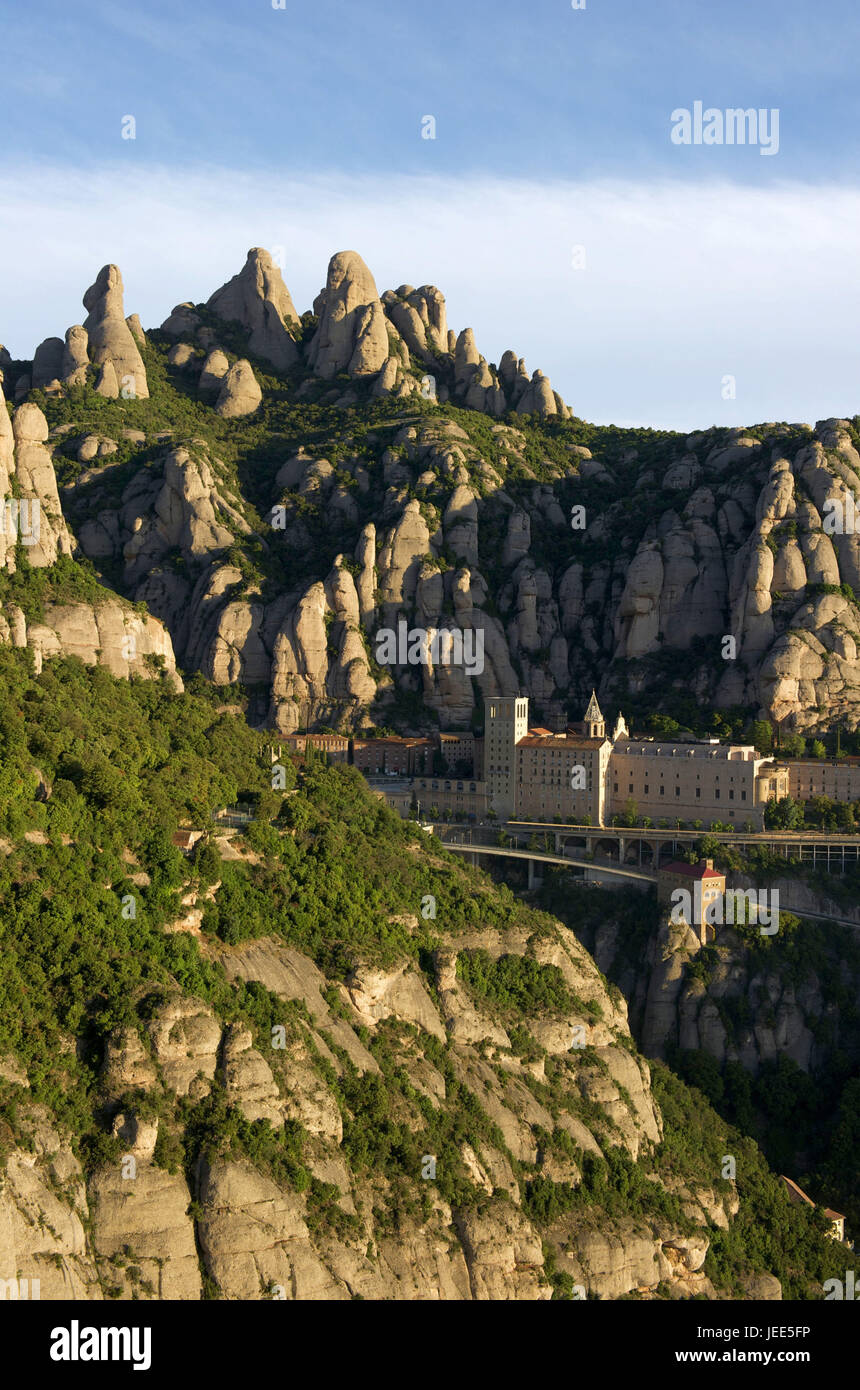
{"type": "Point", "coordinates": [302, 126]}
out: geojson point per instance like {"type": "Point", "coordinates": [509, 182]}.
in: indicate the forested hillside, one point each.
{"type": "Point", "coordinates": [320, 1058]}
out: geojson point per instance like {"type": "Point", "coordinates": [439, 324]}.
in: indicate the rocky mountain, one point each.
{"type": "Point", "coordinates": [325, 1059]}
{"type": "Point", "coordinates": [277, 487]}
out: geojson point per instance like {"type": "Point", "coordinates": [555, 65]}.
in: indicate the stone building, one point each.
{"type": "Point", "coordinates": [562, 775]}
{"type": "Point", "coordinates": [462, 796]}
{"type": "Point", "coordinates": [506, 722]}
{"type": "Point", "coordinates": [703, 885]}
{"type": "Point", "coordinates": [403, 756]}
{"type": "Point", "coordinates": [799, 1199]}
{"type": "Point", "coordinates": [588, 776]}
{"type": "Point", "coordinates": [336, 746]}
{"type": "Point", "coordinates": [694, 781]}
{"type": "Point", "coordinates": [808, 778]}
{"type": "Point", "coordinates": [458, 752]}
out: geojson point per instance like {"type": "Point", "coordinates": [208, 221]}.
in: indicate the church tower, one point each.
{"type": "Point", "coordinates": [594, 725]}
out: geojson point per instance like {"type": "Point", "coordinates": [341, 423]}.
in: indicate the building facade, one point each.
{"type": "Point", "coordinates": [462, 796]}
{"type": "Point", "coordinates": [562, 775]}
{"type": "Point", "coordinates": [458, 753]}
{"type": "Point", "coordinates": [694, 781]}
{"type": "Point", "coordinates": [586, 776]}
{"type": "Point", "coordinates": [403, 757]}
{"type": "Point", "coordinates": [336, 746]}
{"type": "Point", "coordinates": [808, 778]}
{"type": "Point", "coordinates": [506, 722]}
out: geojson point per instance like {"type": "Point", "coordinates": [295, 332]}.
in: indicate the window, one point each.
{"type": "Point", "coordinates": [716, 793]}
{"type": "Point", "coordinates": [662, 790]}
{"type": "Point", "coordinates": [677, 791]}
{"type": "Point", "coordinates": [646, 788]}
{"type": "Point", "coordinates": [699, 793]}
{"type": "Point", "coordinates": [731, 796]}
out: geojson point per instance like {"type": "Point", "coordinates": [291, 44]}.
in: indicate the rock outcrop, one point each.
{"type": "Point", "coordinates": [352, 336]}
{"type": "Point", "coordinates": [240, 392]}
{"type": "Point", "coordinates": [258, 299]}
{"type": "Point", "coordinates": [43, 531]}
{"type": "Point", "coordinates": [109, 336]}
{"type": "Point", "coordinates": [134, 1229]}
{"type": "Point", "coordinates": [75, 360]}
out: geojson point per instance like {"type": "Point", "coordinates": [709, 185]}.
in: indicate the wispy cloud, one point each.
{"type": "Point", "coordinates": [683, 284]}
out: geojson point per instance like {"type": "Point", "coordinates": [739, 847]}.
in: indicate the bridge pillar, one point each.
{"type": "Point", "coordinates": [534, 877]}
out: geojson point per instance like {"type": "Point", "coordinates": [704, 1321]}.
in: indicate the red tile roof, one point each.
{"type": "Point", "coordinates": [797, 1194]}
{"type": "Point", "coordinates": [699, 870]}
{"type": "Point", "coordinates": [562, 741]}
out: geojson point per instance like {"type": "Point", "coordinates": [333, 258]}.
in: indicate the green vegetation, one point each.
{"type": "Point", "coordinates": [768, 1232]}
{"type": "Point", "coordinates": [515, 983]}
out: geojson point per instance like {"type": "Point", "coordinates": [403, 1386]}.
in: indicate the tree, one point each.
{"type": "Point", "coordinates": [662, 724]}
{"type": "Point", "coordinates": [793, 745]}
{"type": "Point", "coordinates": [761, 733]}
{"type": "Point", "coordinates": [817, 749]}
{"type": "Point", "coordinates": [702, 1070]}
{"type": "Point", "coordinates": [207, 861]}
{"type": "Point", "coordinates": [785, 814]}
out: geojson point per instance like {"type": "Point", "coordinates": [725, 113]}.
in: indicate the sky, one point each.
{"type": "Point", "coordinates": [655, 282]}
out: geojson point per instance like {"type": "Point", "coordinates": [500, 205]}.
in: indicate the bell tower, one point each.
{"type": "Point", "coordinates": [594, 725]}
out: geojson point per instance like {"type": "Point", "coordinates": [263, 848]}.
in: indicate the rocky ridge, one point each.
{"type": "Point", "coordinates": [706, 565]}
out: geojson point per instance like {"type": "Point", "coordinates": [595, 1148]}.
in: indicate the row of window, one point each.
{"type": "Point", "coordinates": [434, 787]}
{"type": "Point", "coordinates": [678, 792]}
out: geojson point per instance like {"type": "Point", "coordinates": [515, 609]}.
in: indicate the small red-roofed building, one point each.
{"type": "Point", "coordinates": [799, 1198]}
{"type": "Point", "coordinates": [185, 840]}
{"type": "Point", "coordinates": [702, 884]}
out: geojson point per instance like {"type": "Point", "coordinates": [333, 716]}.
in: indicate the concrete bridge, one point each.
{"type": "Point", "coordinates": [479, 842]}
{"type": "Point", "coordinates": [650, 848]}
{"type": "Point", "coordinates": [476, 844]}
